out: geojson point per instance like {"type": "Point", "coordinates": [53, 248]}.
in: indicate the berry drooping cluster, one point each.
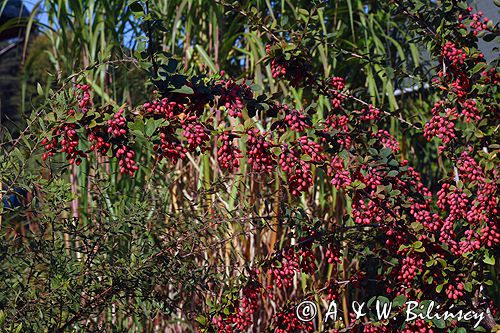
{"type": "Point", "coordinates": [453, 55]}
{"type": "Point", "coordinates": [260, 157]}
{"type": "Point", "coordinates": [82, 93]}
{"type": "Point", "coordinates": [372, 114]}
{"type": "Point", "coordinates": [228, 155]}
{"type": "Point", "coordinates": [169, 146]}
{"type": "Point", "coordinates": [64, 139]}
{"type": "Point", "coordinates": [241, 319]}
{"type": "Point", "coordinates": [336, 92]}
{"type": "Point", "coordinates": [117, 125]}
{"type": "Point", "coordinates": [295, 119]}
{"type": "Point", "coordinates": [470, 111]}
{"type": "Point", "coordinates": [291, 67]}
{"type": "Point", "coordinates": [298, 171]}
{"type": "Point", "coordinates": [195, 133]}
{"type": "Point", "coordinates": [164, 108]}
{"type": "Point", "coordinates": [388, 141]}
{"type": "Point", "coordinates": [125, 156]}
{"type": "Point", "coordinates": [284, 269]}
{"type": "Point", "coordinates": [477, 23]}
{"type": "Point", "coordinates": [411, 266]}
{"type": "Point", "coordinates": [233, 97]}
{"type": "Point", "coordinates": [312, 149]}
{"type": "Point", "coordinates": [441, 124]}
{"type": "Point", "coordinates": [287, 321]}
{"type": "Point", "coordinates": [341, 177]}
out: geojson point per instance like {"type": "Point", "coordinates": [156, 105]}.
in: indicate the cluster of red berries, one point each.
{"type": "Point", "coordinates": [296, 69]}
{"type": "Point", "coordinates": [287, 321]}
{"type": "Point", "coordinates": [233, 97]}
{"type": "Point", "coordinates": [332, 255]}
{"type": "Point", "coordinates": [461, 85]}
{"type": "Point", "coordinates": [367, 212]}
{"type": "Point", "coordinates": [307, 260]}
{"type": "Point", "coordinates": [455, 291]}
{"type": "Point", "coordinates": [370, 328]}
{"type": "Point", "coordinates": [422, 214]}
{"type": "Point", "coordinates": [98, 142]}
{"type": "Point", "coordinates": [411, 266]}
{"type": "Point", "coordinates": [341, 177]}
{"type": "Point", "coordinates": [82, 93]}
{"type": "Point", "coordinates": [312, 149]}
{"type": "Point", "coordinates": [441, 127]}
{"type": "Point", "coordinates": [372, 179]}
{"type": "Point", "coordinates": [471, 243]}
{"type": "Point", "coordinates": [297, 170]}
{"type": "Point", "coordinates": [478, 22]}
{"type": "Point", "coordinates": [68, 144]}
{"type": "Point", "coordinates": [125, 156]}
{"type": "Point", "coordinates": [195, 133]}
{"type": "Point", "coordinates": [490, 235]}
{"type": "Point", "coordinates": [296, 120]}
{"type": "Point", "coordinates": [164, 107]}
{"type": "Point", "coordinates": [490, 76]}
{"type": "Point", "coordinates": [485, 204]}
{"type": "Point", "coordinates": [260, 157]}
{"type": "Point", "coordinates": [470, 111]}
{"type": "Point", "coordinates": [339, 125]}
{"type": "Point", "coordinates": [337, 122]}
{"type": "Point", "coordinates": [241, 320]}
{"type": "Point", "coordinates": [452, 54]}
{"type": "Point", "coordinates": [278, 68]}
{"type": "Point", "coordinates": [468, 167]}
{"type": "Point", "coordinates": [117, 125]}
{"type": "Point", "coordinates": [369, 115]}
{"type": "Point", "coordinates": [284, 269]}
{"type": "Point", "coordinates": [169, 147]}
{"type": "Point", "coordinates": [228, 155]}
{"type": "Point", "coordinates": [336, 95]}
{"type": "Point", "coordinates": [387, 140]}
{"type": "Point", "coordinates": [453, 200]}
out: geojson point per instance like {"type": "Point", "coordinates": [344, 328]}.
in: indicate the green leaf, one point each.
{"type": "Point", "coordinates": [399, 300]}
{"type": "Point", "coordinates": [136, 7]}
{"type": "Point", "coordinates": [392, 173]}
{"type": "Point", "coordinates": [207, 59]}
{"type": "Point", "coordinates": [489, 260]}
{"type": "Point", "coordinates": [152, 125]}
{"type": "Point", "coordinates": [51, 117]}
{"type": "Point", "coordinates": [39, 89]}
{"type": "Point", "coordinates": [440, 323]}
{"type": "Point", "coordinates": [489, 37]}
{"type": "Point", "coordinates": [184, 90]}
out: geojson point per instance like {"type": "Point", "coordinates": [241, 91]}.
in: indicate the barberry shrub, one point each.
{"type": "Point", "coordinates": [383, 230]}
